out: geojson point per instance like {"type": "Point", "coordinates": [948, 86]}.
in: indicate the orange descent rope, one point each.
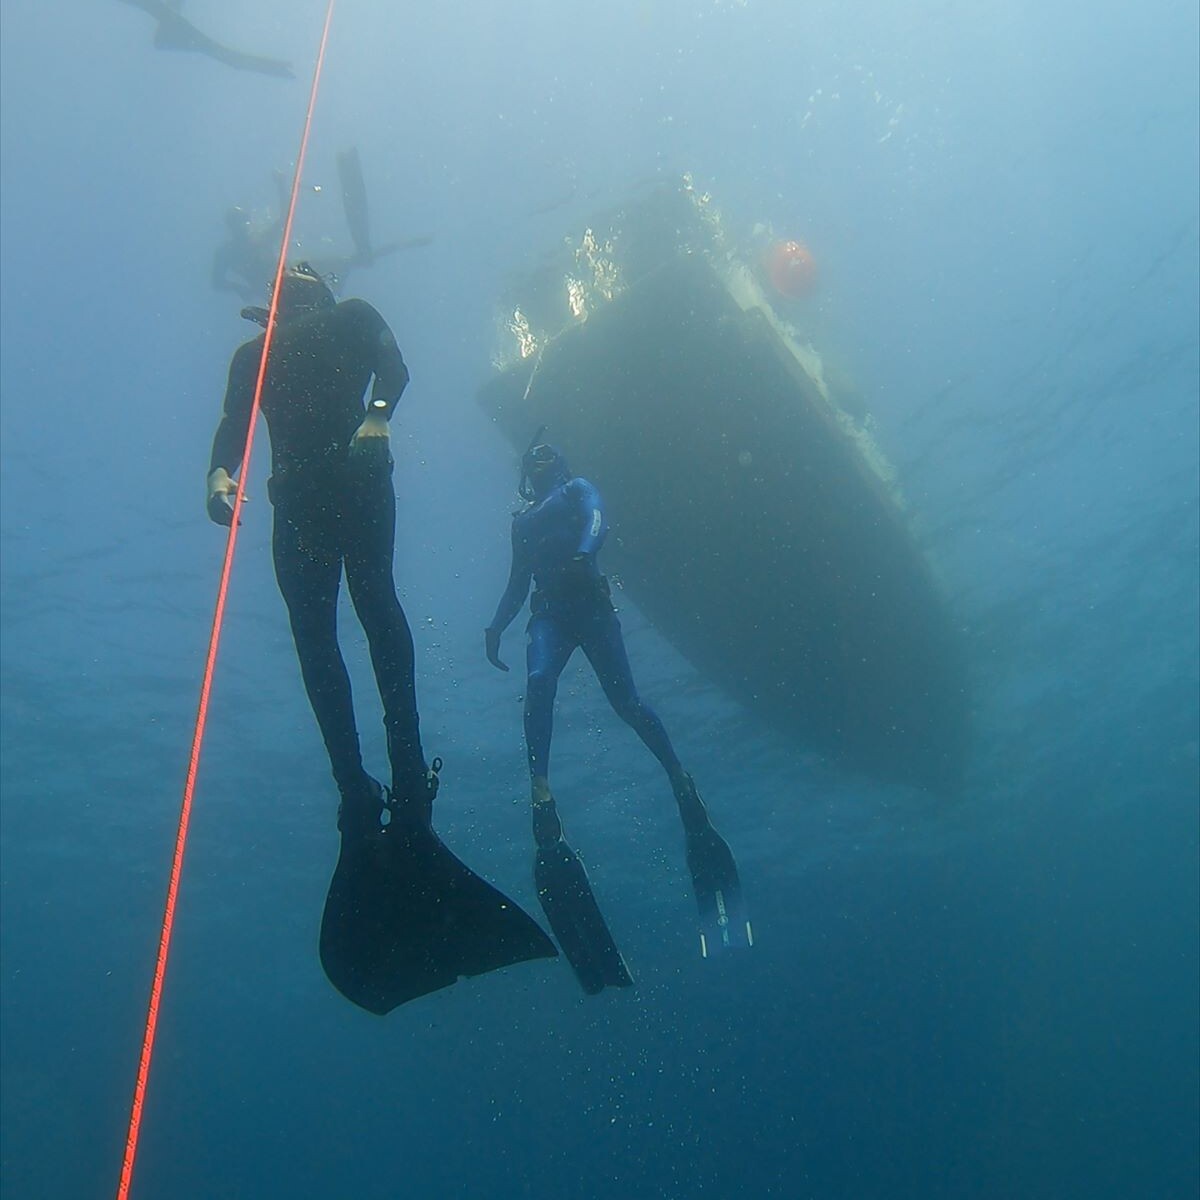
{"type": "Point", "coordinates": [189, 787]}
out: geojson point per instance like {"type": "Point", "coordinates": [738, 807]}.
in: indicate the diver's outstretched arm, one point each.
{"type": "Point", "coordinates": [413, 243]}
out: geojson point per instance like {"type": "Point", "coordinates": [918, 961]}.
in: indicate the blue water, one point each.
{"type": "Point", "coordinates": [993, 998]}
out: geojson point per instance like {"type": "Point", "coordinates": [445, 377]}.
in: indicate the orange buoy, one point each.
{"type": "Point", "coordinates": [791, 269]}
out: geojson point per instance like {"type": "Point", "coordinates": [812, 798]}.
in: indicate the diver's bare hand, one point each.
{"type": "Point", "coordinates": [221, 490]}
{"type": "Point", "coordinates": [491, 647]}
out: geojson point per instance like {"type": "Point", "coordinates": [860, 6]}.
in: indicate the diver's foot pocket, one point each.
{"type": "Point", "coordinates": [547, 827]}
{"type": "Point", "coordinates": [410, 801]}
{"type": "Point", "coordinates": [361, 810]}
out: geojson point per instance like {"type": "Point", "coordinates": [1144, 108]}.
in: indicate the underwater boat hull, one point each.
{"type": "Point", "coordinates": [747, 523]}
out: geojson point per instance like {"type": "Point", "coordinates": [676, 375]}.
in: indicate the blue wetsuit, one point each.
{"type": "Point", "coordinates": [554, 544]}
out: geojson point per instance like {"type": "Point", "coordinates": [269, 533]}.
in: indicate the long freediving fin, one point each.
{"type": "Point", "coordinates": [566, 897]}
{"type": "Point", "coordinates": [404, 917]}
{"type": "Point", "coordinates": [724, 922]}
{"type": "Point", "coordinates": [575, 917]}
{"type": "Point", "coordinates": [723, 919]}
{"type": "Point", "coordinates": [354, 203]}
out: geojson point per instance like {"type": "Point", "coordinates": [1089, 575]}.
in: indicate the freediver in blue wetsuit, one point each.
{"type": "Point", "coordinates": [555, 541]}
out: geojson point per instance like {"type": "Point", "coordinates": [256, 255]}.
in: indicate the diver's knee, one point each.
{"type": "Point", "coordinates": [629, 708]}
{"type": "Point", "coordinates": [541, 685]}
{"type": "Point", "coordinates": [387, 626]}
{"type": "Point", "coordinates": [314, 632]}
{"type": "Point", "coordinates": [374, 595]}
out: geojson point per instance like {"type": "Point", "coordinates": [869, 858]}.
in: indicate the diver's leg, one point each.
{"type": "Point", "coordinates": [563, 888]}
{"type": "Point", "coordinates": [308, 570]}
{"type": "Point", "coordinates": [715, 880]}
{"type": "Point", "coordinates": [605, 648]}
{"type": "Point", "coordinates": [369, 535]}
{"type": "Point", "coordinates": [549, 647]}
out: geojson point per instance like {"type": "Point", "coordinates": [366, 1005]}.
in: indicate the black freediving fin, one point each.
{"type": "Point", "coordinates": [354, 203]}
{"type": "Point", "coordinates": [723, 918]}
{"type": "Point", "coordinates": [570, 907]}
{"type": "Point", "coordinates": [404, 917]}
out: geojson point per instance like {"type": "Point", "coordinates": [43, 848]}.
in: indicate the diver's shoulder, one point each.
{"type": "Point", "coordinates": [251, 349]}
{"type": "Point", "coordinates": [357, 310]}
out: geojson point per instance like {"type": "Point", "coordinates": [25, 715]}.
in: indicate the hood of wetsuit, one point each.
{"type": "Point", "coordinates": [303, 290]}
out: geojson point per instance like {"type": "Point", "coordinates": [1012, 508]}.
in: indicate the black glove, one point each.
{"type": "Point", "coordinates": [491, 647]}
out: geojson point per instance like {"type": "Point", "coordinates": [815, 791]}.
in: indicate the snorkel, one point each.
{"type": "Point", "coordinates": [524, 490]}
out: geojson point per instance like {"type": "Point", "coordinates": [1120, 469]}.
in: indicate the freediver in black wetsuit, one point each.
{"type": "Point", "coordinates": [555, 541]}
{"type": "Point", "coordinates": [331, 487]}
{"type": "Point", "coordinates": [404, 916]}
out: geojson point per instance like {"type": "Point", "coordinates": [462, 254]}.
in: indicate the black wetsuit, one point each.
{"type": "Point", "coordinates": [333, 509]}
